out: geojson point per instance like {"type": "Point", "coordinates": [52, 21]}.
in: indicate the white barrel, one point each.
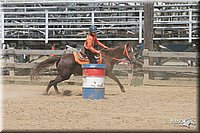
{"type": "Point", "coordinates": [93, 82]}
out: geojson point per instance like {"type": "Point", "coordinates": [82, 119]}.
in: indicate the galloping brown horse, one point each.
{"type": "Point", "coordinates": [66, 65]}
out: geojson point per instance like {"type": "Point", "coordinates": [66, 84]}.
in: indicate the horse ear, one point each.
{"type": "Point", "coordinates": [129, 45]}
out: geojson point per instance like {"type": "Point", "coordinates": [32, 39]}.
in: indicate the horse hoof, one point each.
{"type": "Point", "coordinates": [123, 90]}
{"type": "Point", "coordinates": [58, 92]}
{"type": "Point", "coordinates": [45, 93]}
{"type": "Point", "coordinates": [67, 92]}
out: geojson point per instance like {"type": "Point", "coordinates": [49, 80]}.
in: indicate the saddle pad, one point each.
{"type": "Point", "coordinates": [81, 60]}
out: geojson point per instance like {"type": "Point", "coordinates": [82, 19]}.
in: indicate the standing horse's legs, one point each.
{"type": "Point", "coordinates": [112, 76]}
{"type": "Point", "coordinates": [54, 83]}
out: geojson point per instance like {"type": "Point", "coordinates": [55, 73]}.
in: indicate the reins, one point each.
{"type": "Point", "coordinates": [114, 58]}
{"type": "Point", "coordinates": [124, 52]}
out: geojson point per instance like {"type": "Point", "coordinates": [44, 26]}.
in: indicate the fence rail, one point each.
{"type": "Point", "coordinates": [12, 64]}
{"type": "Point", "coordinates": [167, 68]}
{"type": "Point", "coordinates": [33, 52]}
{"type": "Point", "coordinates": [171, 54]}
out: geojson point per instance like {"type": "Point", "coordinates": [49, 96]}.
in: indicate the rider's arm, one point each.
{"type": "Point", "coordinates": [99, 43]}
{"type": "Point", "coordinates": [90, 46]}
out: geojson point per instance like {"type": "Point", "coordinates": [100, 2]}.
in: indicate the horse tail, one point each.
{"type": "Point", "coordinates": [42, 65]}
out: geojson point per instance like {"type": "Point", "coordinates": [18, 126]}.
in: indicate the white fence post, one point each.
{"type": "Point", "coordinates": [92, 18]}
{"type": "Point", "coordinates": [140, 26]}
{"type": "Point", "coordinates": [190, 25]}
{"type": "Point", "coordinates": [1, 96]}
{"type": "Point", "coordinates": [2, 27]}
{"type": "Point", "coordinates": [46, 26]}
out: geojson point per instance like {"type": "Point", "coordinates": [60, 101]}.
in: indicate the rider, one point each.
{"type": "Point", "coordinates": [89, 44]}
{"type": "Point", "coordinates": [53, 47]}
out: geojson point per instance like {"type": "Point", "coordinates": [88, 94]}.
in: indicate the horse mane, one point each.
{"type": "Point", "coordinates": [115, 49]}
{"type": "Point", "coordinates": [122, 45]}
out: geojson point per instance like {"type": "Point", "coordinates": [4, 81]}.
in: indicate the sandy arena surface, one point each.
{"type": "Point", "coordinates": [140, 108]}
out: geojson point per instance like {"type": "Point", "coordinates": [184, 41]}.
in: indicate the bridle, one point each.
{"type": "Point", "coordinates": [125, 52]}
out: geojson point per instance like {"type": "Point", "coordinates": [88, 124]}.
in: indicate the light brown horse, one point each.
{"type": "Point", "coordinates": [66, 65]}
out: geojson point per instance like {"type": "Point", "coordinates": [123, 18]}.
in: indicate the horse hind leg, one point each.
{"type": "Point", "coordinates": [54, 83]}
{"type": "Point", "coordinates": [48, 87]}
{"type": "Point", "coordinates": [60, 79]}
{"type": "Point", "coordinates": [56, 89]}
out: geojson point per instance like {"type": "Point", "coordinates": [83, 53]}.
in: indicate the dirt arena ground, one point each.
{"type": "Point", "coordinates": [140, 108]}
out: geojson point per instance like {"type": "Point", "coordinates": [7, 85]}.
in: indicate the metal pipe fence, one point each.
{"type": "Point", "coordinates": [115, 21]}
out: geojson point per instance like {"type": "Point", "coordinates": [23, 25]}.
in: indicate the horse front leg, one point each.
{"type": "Point", "coordinates": [112, 76]}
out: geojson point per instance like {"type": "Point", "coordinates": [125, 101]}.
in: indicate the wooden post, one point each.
{"type": "Point", "coordinates": [130, 75]}
{"type": "Point", "coordinates": [146, 64]}
{"type": "Point", "coordinates": [148, 29]}
{"type": "Point", "coordinates": [12, 69]}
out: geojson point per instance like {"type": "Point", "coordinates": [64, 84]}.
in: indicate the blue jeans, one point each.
{"type": "Point", "coordinates": [90, 56]}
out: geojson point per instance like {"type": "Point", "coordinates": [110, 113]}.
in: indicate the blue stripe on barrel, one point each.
{"type": "Point", "coordinates": [93, 84]}
{"type": "Point", "coordinates": [93, 93]}
{"type": "Point", "coordinates": [93, 66]}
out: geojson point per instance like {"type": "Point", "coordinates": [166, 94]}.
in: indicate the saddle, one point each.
{"type": "Point", "coordinates": [81, 58]}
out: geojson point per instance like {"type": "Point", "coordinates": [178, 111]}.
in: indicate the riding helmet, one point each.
{"type": "Point", "coordinates": [93, 28]}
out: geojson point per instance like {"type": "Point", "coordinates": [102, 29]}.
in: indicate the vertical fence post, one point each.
{"type": "Point", "coordinates": [1, 96]}
{"type": "Point", "coordinates": [12, 60]}
{"type": "Point", "coordinates": [190, 25]}
{"type": "Point", "coordinates": [46, 26]}
{"type": "Point", "coordinates": [146, 64]}
{"type": "Point", "coordinates": [1, 44]}
{"type": "Point", "coordinates": [140, 26]}
{"type": "Point", "coordinates": [148, 30]}
{"type": "Point", "coordinates": [92, 18]}
{"type": "Point", "coordinates": [2, 27]}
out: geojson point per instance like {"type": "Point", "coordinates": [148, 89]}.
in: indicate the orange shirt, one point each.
{"type": "Point", "coordinates": [52, 48]}
{"type": "Point", "coordinates": [89, 43]}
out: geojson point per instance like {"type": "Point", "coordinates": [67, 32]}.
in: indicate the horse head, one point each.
{"type": "Point", "coordinates": [120, 52]}
{"type": "Point", "coordinates": [128, 52]}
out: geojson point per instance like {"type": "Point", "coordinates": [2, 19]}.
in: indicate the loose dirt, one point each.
{"type": "Point", "coordinates": [140, 108]}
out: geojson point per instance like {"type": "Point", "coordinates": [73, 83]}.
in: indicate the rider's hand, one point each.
{"type": "Point", "coordinates": [108, 49]}
{"type": "Point", "coordinates": [98, 52]}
